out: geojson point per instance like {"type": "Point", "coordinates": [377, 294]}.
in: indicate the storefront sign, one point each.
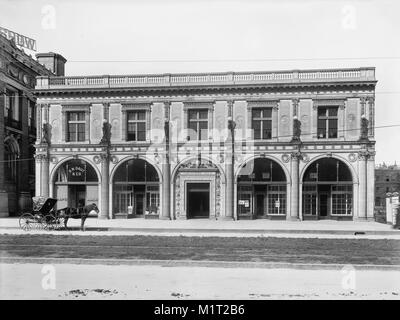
{"type": "Point", "coordinates": [19, 39]}
{"type": "Point", "coordinates": [266, 175]}
{"type": "Point", "coordinates": [277, 204]}
{"type": "Point", "coordinates": [76, 172]}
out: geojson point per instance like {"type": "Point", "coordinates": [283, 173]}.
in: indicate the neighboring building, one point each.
{"type": "Point", "coordinates": [303, 144]}
{"type": "Point", "coordinates": [18, 73]}
{"type": "Point", "coordinates": [387, 180]}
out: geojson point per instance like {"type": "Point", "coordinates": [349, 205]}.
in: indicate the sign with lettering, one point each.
{"type": "Point", "coordinates": [18, 39]}
{"type": "Point", "coordinates": [277, 204]}
{"type": "Point", "coordinates": [76, 172]}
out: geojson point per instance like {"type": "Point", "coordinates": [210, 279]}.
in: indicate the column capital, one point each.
{"type": "Point", "coordinates": [297, 155]}
{"type": "Point", "coordinates": [365, 154]}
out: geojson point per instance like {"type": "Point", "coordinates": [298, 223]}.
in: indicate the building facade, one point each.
{"type": "Point", "coordinates": [292, 145]}
{"type": "Point", "coordinates": [387, 180]}
{"type": "Point", "coordinates": [18, 73]}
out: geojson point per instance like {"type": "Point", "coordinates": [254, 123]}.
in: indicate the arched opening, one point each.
{"type": "Point", "coordinates": [327, 190]}
{"type": "Point", "coordinates": [261, 190]}
{"type": "Point", "coordinates": [76, 184]}
{"type": "Point", "coordinates": [136, 189]}
{"type": "Point", "coordinates": [11, 154]}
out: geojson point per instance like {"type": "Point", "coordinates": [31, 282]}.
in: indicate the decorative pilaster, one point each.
{"type": "Point", "coordinates": [44, 174]}
{"type": "Point", "coordinates": [294, 203]}
{"type": "Point", "coordinates": [362, 177]}
{"type": "Point", "coordinates": [229, 165]}
{"type": "Point", "coordinates": [371, 102]}
{"type": "Point", "coordinates": [105, 185]}
{"type": "Point", "coordinates": [166, 167]}
{"type": "Point", "coordinates": [3, 193]}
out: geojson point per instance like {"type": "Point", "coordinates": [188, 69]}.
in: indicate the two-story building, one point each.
{"type": "Point", "coordinates": [290, 145]}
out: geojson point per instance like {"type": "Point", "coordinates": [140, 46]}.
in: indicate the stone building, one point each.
{"type": "Point", "coordinates": [17, 127]}
{"type": "Point", "coordinates": [290, 145]}
{"type": "Point", "coordinates": [387, 180]}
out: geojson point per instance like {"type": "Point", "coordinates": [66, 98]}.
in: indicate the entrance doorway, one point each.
{"type": "Point", "coordinates": [323, 205]}
{"type": "Point", "coordinates": [77, 196]}
{"type": "Point", "coordinates": [198, 200]}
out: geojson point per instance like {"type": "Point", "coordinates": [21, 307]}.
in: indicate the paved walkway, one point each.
{"type": "Point", "coordinates": [325, 228]}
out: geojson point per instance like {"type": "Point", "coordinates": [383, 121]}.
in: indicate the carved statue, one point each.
{"type": "Point", "coordinates": [296, 129]}
{"type": "Point", "coordinates": [45, 133]}
{"type": "Point", "coordinates": [364, 128]}
{"type": "Point", "coordinates": [106, 133]}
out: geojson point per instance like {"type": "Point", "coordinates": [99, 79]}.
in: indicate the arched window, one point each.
{"type": "Point", "coordinates": [11, 156]}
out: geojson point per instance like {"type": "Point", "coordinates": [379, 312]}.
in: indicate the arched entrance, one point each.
{"type": "Point", "coordinates": [136, 189]}
{"type": "Point", "coordinates": [197, 187]}
{"type": "Point", "coordinates": [76, 184]}
{"type": "Point", "coordinates": [327, 190]}
{"type": "Point", "coordinates": [261, 190]}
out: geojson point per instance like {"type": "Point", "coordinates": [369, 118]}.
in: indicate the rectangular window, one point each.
{"type": "Point", "coordinates": [262, 123]}
{"type": "Point", "coordinates": [76, 126]}
{"type": "Point", "coordinates": [198, 124]}
{"type": "Point", "coordinates": [31, 116]}
{"type": "Point", "coordinates": [136, 126]}
{"type": "Point", "coordinates": [327, 122]}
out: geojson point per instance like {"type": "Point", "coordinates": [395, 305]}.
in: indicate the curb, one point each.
{"type": "Point", "coordinates": [233, 231]}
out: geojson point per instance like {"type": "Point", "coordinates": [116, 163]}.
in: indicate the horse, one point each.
{"type": "Point", "coordinates": [77, 213]}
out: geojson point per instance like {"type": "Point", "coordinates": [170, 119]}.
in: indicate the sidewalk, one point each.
{"type": "Point", "coordinates": [205, 227]}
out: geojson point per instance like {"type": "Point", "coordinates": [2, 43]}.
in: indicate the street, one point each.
{"type": "Point", "coordinates": [257, 249]}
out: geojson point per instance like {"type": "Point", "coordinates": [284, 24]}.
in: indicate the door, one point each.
{"type": "Point", "coordinates": [139, 203]}
{"type": "Point", "coordinates": [76, 196]}
{"type": "Point", "coordinates": [323, 205]}
{"type": "Point", "coordinates": [198, 200]}
{"type": "Point", "coordinates": [260, 204]}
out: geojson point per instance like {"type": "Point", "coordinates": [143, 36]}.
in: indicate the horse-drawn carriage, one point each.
{"type": "Point", "coordinates": [44, 216]}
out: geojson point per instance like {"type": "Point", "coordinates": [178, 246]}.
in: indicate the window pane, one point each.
{"type": "Point", "coordinates": [256, 113]}
{"type": "Point", "coordinates": [81, 132]}
{"type": "Point", "coordinates": [321, 129]}
{"type": "Point", "coordinates": [321, 112]}
{"type": "Point", "coordinates": [141, 115]}
{"type": "Point", "coordinates": [141, 131]}
{"type": "Point", "coordinates": [332, 128]}
{"type": "Point", "coordinates": [192, 114]}
{"type": "Point", "coordinates": [267, 113]}
{"type": "Point", "coordinates": [203, 125]}
{"type": "Point", "coordinates": [81, 116]}
{"type": "Point", "coordinates": [267, 129]}
{"type": "Point", "coordinates": [131, 116]}
{"type": "Point", "coordinates": [203, 114]}
{"type": "Point", "coordinates": [71, 132]}
{"type": "Point", "coordinates": [332, 112]}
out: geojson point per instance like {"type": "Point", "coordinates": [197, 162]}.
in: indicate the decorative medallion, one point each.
{"type": "Point", "coordinates": [97, 159]}
{"type": "Point", "coordinates": [54, 160]}
{"type": "Point", "coordinates": [285, 158]}
{"type": "Point", "coordinates": [114, 159]}
{"type": "Point", "coordinates": [352, 157]}
{"type": "Point", "coordinates": [305, 158]}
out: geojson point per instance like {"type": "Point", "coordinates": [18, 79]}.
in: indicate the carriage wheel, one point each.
{"type": "Point", "coordinates": [26, 221]}
{"type": "Point", "coordinates": [59, 223]}
{"type": "Point", "coordinates": [49, 222]}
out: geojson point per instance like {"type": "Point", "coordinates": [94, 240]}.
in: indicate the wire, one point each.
{"type": "Point", "coordinates": [233, 60]}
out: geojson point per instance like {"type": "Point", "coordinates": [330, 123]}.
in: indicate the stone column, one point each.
{"type": "Point", "coordinates": [3, 193]}
{"type": "Point", "coordinates": [24, 196]}
{"type": "Point", "coordinates": [371, 186]}
{"type": "Point", "coordinates": [294, 199]}
{"type": "Point", "coordinates": [362, 192]}
{"type": "Point", "coordinates": [166, 168]}
{"type": "Point", "coordinates": [44, 176]}
{"type": "Point", "coordinates": [229, 166]}
{"type": "Point", "coordinates": [105, 164]}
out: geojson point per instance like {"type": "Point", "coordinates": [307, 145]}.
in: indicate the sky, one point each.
{"type": "Point", "coordinates": [154, 36]}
